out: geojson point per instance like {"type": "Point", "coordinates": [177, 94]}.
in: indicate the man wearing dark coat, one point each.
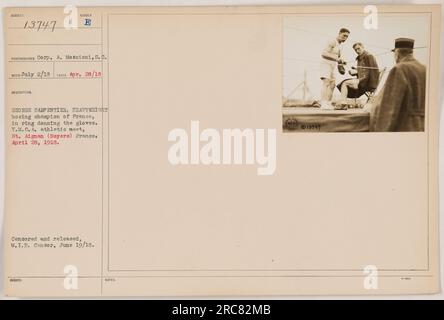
{"type": "Point", "coordinates": [367, 75]}
{"type": "Point", "coordinates": [401, 104]}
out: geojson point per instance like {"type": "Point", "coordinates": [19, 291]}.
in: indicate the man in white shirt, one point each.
{"type": "Point", "coordinates": [331, 57]}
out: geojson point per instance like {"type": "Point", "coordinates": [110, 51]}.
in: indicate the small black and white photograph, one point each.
{"type": "Point", "coordinates": [355, 72]}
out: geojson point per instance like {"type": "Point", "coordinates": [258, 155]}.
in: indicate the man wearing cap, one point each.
{"type": "Point", "coordinates": [331, 57]}
{"type": "Point", "coordinates": [401, 104]}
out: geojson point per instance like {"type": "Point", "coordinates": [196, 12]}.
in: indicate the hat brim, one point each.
{"type": "Point", "coordinates": [393, 50]}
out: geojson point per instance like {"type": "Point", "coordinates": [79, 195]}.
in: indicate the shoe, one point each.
{"type": "Point", "coordinates": [316, 104]}
{"type": "Point", "coordinates": [326, 106]}
{"type": "Point", "coordinates": [341, 105]}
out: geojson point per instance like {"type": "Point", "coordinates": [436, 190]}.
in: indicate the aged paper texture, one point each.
{"type": "Point", "coordinates": [208, 151]}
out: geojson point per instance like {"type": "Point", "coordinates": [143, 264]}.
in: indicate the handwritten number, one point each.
{"type": "Point", "coordinates": [40, 25]}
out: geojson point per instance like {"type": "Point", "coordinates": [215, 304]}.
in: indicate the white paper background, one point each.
{"type": "Point", "coordinates": [17, 3]}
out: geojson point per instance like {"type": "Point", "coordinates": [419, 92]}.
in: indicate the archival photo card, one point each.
{"type": "Point", "coordinates": [346, 73]}
{"type": "Point", "coordinates": [221, 151]}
